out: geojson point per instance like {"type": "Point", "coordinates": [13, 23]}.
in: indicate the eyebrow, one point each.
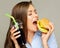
{"type": "Point", "coordinates": [31, 10]}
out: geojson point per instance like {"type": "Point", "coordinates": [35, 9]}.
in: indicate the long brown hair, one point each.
{"type": "Point", "coordinates": [19, 12]}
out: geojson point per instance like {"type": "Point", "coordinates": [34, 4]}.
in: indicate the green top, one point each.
{"type": "Point", "coordinates": [16, 24]}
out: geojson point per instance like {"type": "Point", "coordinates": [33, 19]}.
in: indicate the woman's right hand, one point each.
{"type": "Point", "coordinates": [14, 37]}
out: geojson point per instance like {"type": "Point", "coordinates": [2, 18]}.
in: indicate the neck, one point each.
{"type": "Point", "coordinates": [30, 37]}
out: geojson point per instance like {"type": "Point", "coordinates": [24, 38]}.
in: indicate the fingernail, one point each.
{"type": "Point", "coordinates": [19, 31]}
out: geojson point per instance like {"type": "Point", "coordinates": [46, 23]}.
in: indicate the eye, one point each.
{"type": "Point", "coordinates": [35, 11]}
{"type": "Point", "coordinates": [30, 14]}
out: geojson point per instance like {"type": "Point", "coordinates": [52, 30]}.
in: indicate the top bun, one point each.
{"type": "Point", "coordinates": [44, 22]}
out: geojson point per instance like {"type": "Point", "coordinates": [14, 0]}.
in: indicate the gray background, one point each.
{"type": "Point", "coordinates": [45, 8]}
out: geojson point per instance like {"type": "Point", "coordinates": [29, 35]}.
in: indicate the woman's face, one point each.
{"type": "Point", "coordinates": [32, 18]}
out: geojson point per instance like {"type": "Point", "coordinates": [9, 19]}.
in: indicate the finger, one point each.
{"type": "Point", "coordinates": [16, 33]}
{"type": "Point", "coordinates": [52, 26]}
{"type": "Point", "coordinates": [12, 31]}
{"type": "Point", "coordinates": [17, 36]}
{"type": "Point", "coordinates": [12, 28]}
{"type": "Point", "coordinates": [49, 32]}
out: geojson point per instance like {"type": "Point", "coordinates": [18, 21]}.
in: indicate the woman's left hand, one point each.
{"type": "Point", "coordinates": [45, 36]}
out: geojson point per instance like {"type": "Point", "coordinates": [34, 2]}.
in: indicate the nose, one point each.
{"type": "Point", "coordinates": [35, 15]}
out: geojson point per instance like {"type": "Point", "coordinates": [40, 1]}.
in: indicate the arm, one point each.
{"type": "Point", "coordinates": [45, 45]}
{"type": "Point", "coordinates": [17, 46]}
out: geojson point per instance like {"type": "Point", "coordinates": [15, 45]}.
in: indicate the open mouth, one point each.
{"type": "Point", "coordinates": [35, 22]}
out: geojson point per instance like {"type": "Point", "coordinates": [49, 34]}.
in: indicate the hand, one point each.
{"type": "Point", "coordinates": [14, 37]}
{"type": "Point", "coordinates": [46, 36]}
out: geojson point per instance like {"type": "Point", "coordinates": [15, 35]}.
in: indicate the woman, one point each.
{"type": "Point", "coordinates": [25, 13]}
